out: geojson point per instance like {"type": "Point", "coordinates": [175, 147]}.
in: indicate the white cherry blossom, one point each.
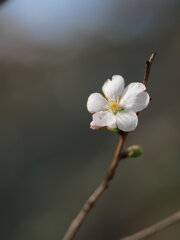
{"type": "Point", "coordinates": [119, 105]}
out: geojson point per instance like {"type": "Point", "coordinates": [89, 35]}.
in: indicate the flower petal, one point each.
{"type": "Point", "coordinates": [94, 126]}
{"type": "Point", "coordinates": [113, 87]}
{"type": "Point", "coordinates": [134, 97]}
{"type": "Point", "coordinates": [126, 120]}
{"type": "Point", "coordinates": [96, 102]}
{"type": "Point", "coordinates": [136, 103]}
{"type": "Point", "coordinates": [103, 119]}
{"type": "Point", "coordinates": [134, 89]}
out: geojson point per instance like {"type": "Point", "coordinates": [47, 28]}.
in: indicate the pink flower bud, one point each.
{"type": "Point", "coordinates": [94, 126]}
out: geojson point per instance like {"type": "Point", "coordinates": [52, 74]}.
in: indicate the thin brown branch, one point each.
{"type": "Point", "coordinates": [154, 228]}
{"type": "Point", "coordinates": [79, 219]}
{"type": "Point", "coordinates": [75, 225]}
{"type": "Point", "coordinates": [148, 68]}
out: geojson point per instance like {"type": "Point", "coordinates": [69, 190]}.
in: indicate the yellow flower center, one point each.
{"type": "Point", "coordinates": [114, 106]}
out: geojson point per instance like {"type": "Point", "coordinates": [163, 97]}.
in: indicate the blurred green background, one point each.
{"type": "Point", "coordinates": [53, 54]}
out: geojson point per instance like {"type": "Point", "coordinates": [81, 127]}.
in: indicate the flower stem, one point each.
{"type": "Point", "coordinates": [79, 219]}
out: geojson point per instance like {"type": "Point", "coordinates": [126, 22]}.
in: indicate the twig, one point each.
{"type": "Point", "coordinates": [148, 68]}
{"type": "Point", "coordinates": [79, 219]}
{"type": "Point", "coordinates": [154, 228]}
{"type": "Point", "coordinates": [75, 225]}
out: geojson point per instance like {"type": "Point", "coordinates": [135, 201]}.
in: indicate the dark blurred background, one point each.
{"type": "Point", "coordinates": [53, 54]}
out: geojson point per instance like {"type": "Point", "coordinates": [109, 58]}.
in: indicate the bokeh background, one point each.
{"type": "Point", "coordinates": [53, 54]}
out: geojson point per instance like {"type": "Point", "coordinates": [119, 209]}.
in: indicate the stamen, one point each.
{"type": "Point", "coordinates": [114, 105]}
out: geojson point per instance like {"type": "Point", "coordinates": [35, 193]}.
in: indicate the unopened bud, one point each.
{"type": "Point", "coordinates": [134, 151]}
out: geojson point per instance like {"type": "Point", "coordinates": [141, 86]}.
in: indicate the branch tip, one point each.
{"type": "Point", "coordinates": [148, 68]}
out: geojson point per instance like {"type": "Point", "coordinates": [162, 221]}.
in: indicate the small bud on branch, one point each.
{"type": "Point", "coordinates": [134, 151]}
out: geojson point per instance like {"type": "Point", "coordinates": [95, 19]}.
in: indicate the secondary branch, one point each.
{"type": "Point", "coordinates": [154, 228]}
